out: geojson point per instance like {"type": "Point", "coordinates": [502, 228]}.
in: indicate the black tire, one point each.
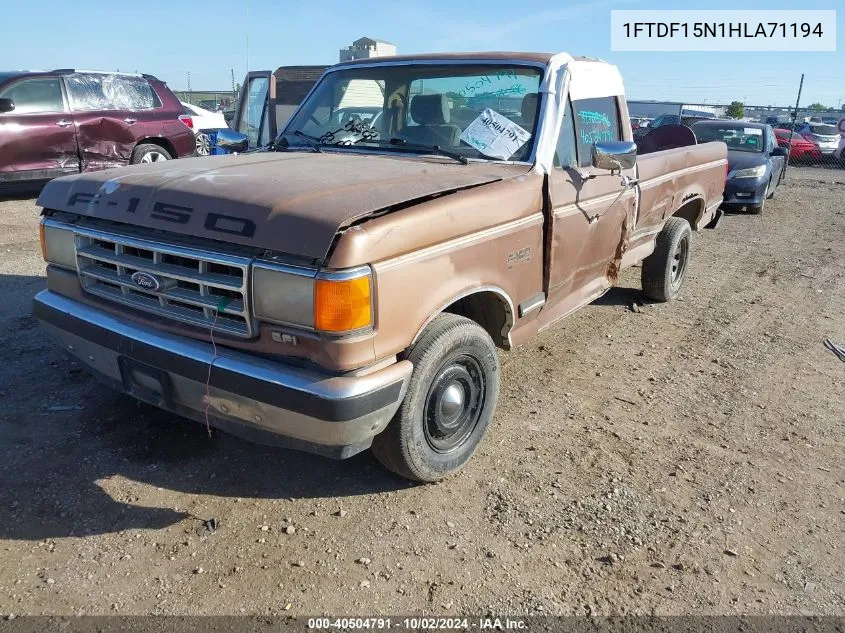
{"type": "Point", "coordinates": [757, 209]}
{"type": "Point", "coordinates": [770, 190]}
{"type": "Point", "coordinates": [664, 271]}
{"type": "Point", "coordinates": [423, 442]}
{"type": "Point", "coordinates": [149, 153]}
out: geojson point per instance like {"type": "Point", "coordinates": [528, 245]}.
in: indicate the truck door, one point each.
{"type": "Point", "coordinates": [590, 223]}
{"type": "Point", "coordinates": [37, 137]}
{"type": "Point", "coordinates": [252, 115]}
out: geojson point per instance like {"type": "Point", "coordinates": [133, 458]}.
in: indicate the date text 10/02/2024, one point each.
{"type": "Point", "coordinates": [416, 623]}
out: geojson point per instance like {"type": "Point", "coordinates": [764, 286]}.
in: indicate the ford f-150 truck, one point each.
{"type": "Point", "coordinates": [347, 286]}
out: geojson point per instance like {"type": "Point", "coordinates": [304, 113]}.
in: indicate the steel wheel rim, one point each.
{"type": "Point", "coordinates": [203, 145]}
{"type": "Point", "coordinates": [454, 402]}
{"type": "Point", "coordinates": [153, 157]}
{"type": "Point", "coordinates": [679, 261]}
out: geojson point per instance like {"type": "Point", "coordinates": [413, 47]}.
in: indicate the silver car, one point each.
{"type": "Point", "coordinates": [825, 136]}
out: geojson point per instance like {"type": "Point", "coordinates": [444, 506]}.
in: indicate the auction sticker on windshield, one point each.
{"type": "Point", "coordinates": [495, 135]}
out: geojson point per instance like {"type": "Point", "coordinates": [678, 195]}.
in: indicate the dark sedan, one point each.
{"type": "Point", "coordinates": [755, 161]}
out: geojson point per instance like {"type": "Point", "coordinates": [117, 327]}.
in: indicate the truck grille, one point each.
{"type": "Point", "coordinates": [192, 284]}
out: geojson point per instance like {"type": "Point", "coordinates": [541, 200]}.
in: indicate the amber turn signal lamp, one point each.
{"type": "Point", "coordinates": [342, 305]}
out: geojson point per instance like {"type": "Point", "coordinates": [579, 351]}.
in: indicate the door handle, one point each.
{"type": "Point", "coordinates": [63, 122]}
{"type": "Point", "coordinates": [129, 120]}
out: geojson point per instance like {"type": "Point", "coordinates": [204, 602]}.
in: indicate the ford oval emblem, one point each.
{"type": "Point", "coordinates": [146, 281]}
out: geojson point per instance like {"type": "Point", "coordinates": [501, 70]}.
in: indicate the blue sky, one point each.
{"type": "Point", "coordinates": [170, 39]}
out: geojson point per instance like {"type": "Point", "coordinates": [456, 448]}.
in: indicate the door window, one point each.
{"type": "Point", "coordinates": [595, 120]}
{"type": "Point", "coordinates": [565, 155]}
{"type": "Point", "coordinates": [35, 95]}
{"type": "Point", "coordinates": [103, 91]}
{"type": "Point", "coordinates": [253, 118]}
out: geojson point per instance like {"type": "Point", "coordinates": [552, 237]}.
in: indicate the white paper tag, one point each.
{"type": "Point", "coordinates": [495, 135]}
{"type": "Point", "coordinates": [753, 131]}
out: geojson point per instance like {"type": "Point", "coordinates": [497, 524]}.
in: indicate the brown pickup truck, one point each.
{"type": "Point", "coordinates": [347, 285]}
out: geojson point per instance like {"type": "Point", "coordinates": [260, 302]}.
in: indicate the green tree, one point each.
{"type": "Point", "coordinates": [736, 110]}
{"type": "Point", "coordinates": [817, 107]}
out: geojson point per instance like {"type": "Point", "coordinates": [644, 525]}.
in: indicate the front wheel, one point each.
{"type": "Point", "coordinates": [757, 209]}
{"type": "Point", "coordinates": [664, 271]}
{"type": "Point", "coordinates": [449, 404]}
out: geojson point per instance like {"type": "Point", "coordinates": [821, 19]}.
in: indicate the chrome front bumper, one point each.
{"type": "Point", "coordinates": [256, 398]}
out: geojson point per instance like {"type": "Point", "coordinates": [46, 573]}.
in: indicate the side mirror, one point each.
{"type": "Point", "coordinates": [6, 105]}
{"type": "Point", "coordinates": [614, 155]}
{"type": "Point", "coordinates": [232, 141]}
{"type": "Point", "coordinates": [779, 151]}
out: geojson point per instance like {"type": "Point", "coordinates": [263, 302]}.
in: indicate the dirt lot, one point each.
{"type": "Point", "coordinates": [687, 458]}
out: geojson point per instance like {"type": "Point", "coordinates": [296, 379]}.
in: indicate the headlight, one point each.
{"type": "Point", "coordinates": [751, 172]}
{"type": "Point", "coordinates": [283, 294]}
{"type": "Point", "coordinates": [57, 243]}
{"type": "Point", "coordinates": [332, 302]}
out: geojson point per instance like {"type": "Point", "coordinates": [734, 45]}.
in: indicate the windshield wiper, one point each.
{"type": "Point", "coordinates": [313, 142]}
{"type": "Point", "coordinates": [434, 149]}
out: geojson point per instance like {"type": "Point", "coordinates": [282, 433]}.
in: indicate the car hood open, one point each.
{"type": "Point", "coordinates": [288, 202]}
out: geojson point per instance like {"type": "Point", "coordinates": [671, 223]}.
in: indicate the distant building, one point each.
{"type": "Point", "coordinates": [366, 47]}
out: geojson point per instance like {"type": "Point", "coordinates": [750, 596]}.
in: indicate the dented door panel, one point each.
{"type": "Point", "coordinates": [113, 114]}
{"type": "Point", "coordinates": [591, 224]}
{"type": "Point", "coordinates": [105, 138]}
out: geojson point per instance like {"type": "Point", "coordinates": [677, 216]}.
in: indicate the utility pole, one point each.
{"type": "Point", "coordinates": [246, 31]}
{"type": "Point", "coordinates": [792, 127]}
{"type": "Point", "coordinates": [189, 88]}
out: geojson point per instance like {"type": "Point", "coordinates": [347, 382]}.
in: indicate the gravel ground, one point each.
{"type": "Point", "coordinates": [680, 459]}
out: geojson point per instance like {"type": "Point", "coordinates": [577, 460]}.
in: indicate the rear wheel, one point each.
{"type": "Point", "coordinates": [664, 271]}
{"type": "Point", "coordinates": [149, 153]}
{"type": "Point", "coordinates": [449, 404]}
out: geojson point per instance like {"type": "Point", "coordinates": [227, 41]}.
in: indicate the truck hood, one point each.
{"type": "Point", "coordinates": [290, 202]}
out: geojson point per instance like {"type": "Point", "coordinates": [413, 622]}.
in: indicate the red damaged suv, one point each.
{"type": "Point", "coordinates": [63, 122]}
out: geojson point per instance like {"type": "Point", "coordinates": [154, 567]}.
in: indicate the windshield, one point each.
{"type": "Point", "coordinates": [738, 138]}
{"type": "Point", "coordinates": [481, 111]}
